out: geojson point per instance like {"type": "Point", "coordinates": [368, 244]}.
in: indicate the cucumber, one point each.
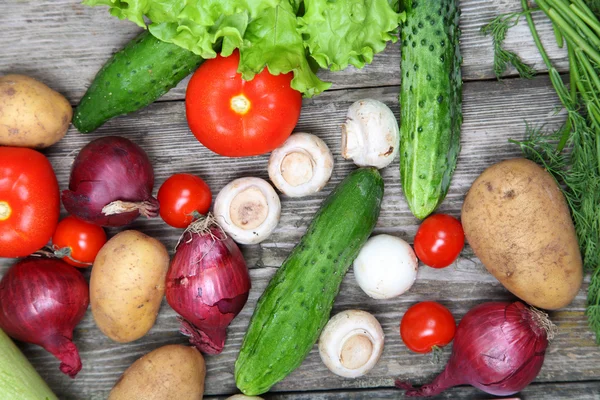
{"type": "Point", "coordinates": [296, 304]}
{"type": "Point", "coordinates": [145, 69]}
{"type": "Point", "coordinates": [430, 102]}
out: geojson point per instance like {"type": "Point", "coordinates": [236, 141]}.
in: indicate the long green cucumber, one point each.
{"type": "Point", "coordinates": [296, 304]}
{"type": "Point", "coordinates": [145, 69]}
{"type": "Point", "coordinates": [430, 102]}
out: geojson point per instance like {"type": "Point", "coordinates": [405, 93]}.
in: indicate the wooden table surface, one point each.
{"type": "Point", "coordinates": [64, 43]}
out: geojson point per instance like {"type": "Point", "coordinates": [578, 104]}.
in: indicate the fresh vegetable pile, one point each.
{"type": "Point", "coordinates": [255, 60]}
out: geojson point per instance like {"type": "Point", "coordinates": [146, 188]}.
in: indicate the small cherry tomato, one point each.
{"type": "Point", "coordinates": [80, 241]}
{"type": "Point", "coordinates": [29, 201]}
{"type": "Point", "coordinates": [425, 325]}
{"type": "Point", "coordinates": [181, 195]}
{"type": "Point", "coordinates": [439, 240]}
{"type": "Point", "coordinates": [237, 118]}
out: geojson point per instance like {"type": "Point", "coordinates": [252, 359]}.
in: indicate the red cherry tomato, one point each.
{"type": "Point", "coordinates": [79, 239]}
{"type": "Point", "coordinates": [426, 325]}
{"type": "Point", "coordinates": [29, 201]}
{"type": "Point", "coordinates": [237, 118]}
{"type": "Point", "coordinates": [439, 240]}
{"type": "Point", "coordinates": [180, 196]}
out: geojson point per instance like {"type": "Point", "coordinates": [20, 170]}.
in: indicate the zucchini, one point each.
{"type": "Point", "coordinates": [18, 379]}
{"type": "Point", "coordinates": [145, 69]}
{"type": "Point", "coordinates": [430, 102]}
{"type": "Point", "coordinates": [296, 304]}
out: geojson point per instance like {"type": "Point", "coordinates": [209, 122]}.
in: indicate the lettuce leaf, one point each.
{"type": "Point", "coordinates": [347, 31]}
{"type": "Point", "coordinates": [282, 35]}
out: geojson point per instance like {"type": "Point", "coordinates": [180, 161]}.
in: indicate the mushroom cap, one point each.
{"type": "Point", "coordinates": [351, 343]}
{"type": "Point", "coordinates": [301, 166]}
{"type": "Point", "coordinates": [248, 209]}
{"type": "Point", "coordinates": [385, 267]}
{"type": "Point", "coordinates": [370, 135]}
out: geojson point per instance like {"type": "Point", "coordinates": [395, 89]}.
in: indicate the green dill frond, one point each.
{"type": "Point", "coordinates": [497, 28]}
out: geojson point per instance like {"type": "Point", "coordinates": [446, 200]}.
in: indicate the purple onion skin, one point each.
{"type": "Point", "coordinates": [207, 284]}
{"type": "Point", "coordinates": [108, 169]}
{"type": "Point", "coordinates": [41, 302]}
{"type": "Point", "coordinates": [499, 348]}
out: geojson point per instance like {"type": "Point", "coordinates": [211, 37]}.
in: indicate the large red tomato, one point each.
{"type": "Point", "coordinates": [29, 201]}
{"type": "Point", "coordinates": [238, 118]}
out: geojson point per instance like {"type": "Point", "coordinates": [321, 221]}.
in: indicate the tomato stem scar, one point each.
{"type": "Point", "coordinates": [240, 104]}
{"type": "Point", "coordinates": [5, 210]}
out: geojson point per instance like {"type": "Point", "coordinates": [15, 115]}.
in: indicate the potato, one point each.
{"type": "Point", "coordinates": [518, 223]}
{"type": "Point", "coordinates": [31, 114]}
{"type": "Point", "coordinates": [174, 372]}
{"type": "Point", "coordinates": [127, 285]}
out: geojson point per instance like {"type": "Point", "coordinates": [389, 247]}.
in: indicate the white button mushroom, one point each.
{"type": "Point", "coordinates": [248, 209]}
{"type": "Point", "coordinates": [351, 343]}
{"type": "Point", "coordinates": [370, 135]}
{"type": "Point", "coordinates": [385, 267]}
{"type": "Point", "coordinates": [301, 166]}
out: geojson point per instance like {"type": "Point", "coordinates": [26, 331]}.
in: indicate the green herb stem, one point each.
{"type": "Point", "coordinates": [586, 18]}
{"type": "Point", "coordinates": [534, 33]}
{"type": "Point", "coordinates": [570, 33]}
{"type": "Point", "coordinates": [576, 23]}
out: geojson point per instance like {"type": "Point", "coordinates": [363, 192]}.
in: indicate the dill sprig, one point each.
{"type": "Point", "coordinates": [577, 170]}
{"type": "Point", "coordinates": [498, 28]}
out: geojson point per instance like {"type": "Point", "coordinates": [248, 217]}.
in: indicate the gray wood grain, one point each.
{"type": "Point", "coordinates": [494, 112]}
{"type": "Point", "coordinates": [64, 43]}
{"type": "Point", "coordinates": [536, 391]}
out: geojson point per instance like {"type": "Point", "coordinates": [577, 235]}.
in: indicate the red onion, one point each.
{"type": "Point", "coordinates": [207, 284]}
{"type": "Point", "coordinates": [111, 183]}
{"type": "Point", "coordinates": [41, 302]}
{"type": "Point", "coordinates": [498, 348]}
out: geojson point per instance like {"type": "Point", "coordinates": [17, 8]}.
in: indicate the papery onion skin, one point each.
{"type": "Point", "coordinates": [41, 302]}
{"type": "Point", "coordinates": [106, 170]}
{"type": "Point", "coordinates": [207, 284]}
{"type": "Point", "coordinates": [499, 348]}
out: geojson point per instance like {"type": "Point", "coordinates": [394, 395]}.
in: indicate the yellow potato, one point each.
{"type": "Point", "coordinates": [517, 221]}
{"type": "Point", "coordinates": [127, 285]}
{"type": "Point", "coordinates": [172, 372]}
{"type": "Point", "coordinates": [31, 114]}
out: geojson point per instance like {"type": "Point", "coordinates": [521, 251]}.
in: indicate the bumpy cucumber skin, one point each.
{"type": "Point", "coordinates": [297, 302]}
{"type": "Point", "coordinates": [430, 101]}
{"type": "Point", "coordinates": [145, 69]}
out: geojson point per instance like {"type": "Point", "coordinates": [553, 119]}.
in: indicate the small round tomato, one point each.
{"type": "Point", "coordinates": [238, 118]}
{"type": "Point", "coordinates": [80, 241]}
{"type": "Point", "coordinates": [425, 325]}
{"type": "Point", "coordinates": [181, 195]}
{"type": "Point", "coordinates": [439, 240]}
{"type": "Point", "coordinates": [29, 201]}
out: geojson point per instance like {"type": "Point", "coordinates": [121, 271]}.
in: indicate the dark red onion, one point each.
{"type": "Point", "coordinates": [41, 302]}
{"type": "Point", "coordinates": [498, 348]}
{"type": "Point", "coordinates": [111, 183]}
{"type": "Point", "coordinates": [207, 284]}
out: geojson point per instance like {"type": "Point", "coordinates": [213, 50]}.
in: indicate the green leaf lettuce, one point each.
{"type": "Point", "coordinates": [282, 35]}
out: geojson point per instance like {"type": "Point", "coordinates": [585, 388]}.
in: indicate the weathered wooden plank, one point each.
{"type": "Point", "coordinates": [64, 44]}
{"type": "Point", "coordinates": [494, 112]}
{"type": "Point", "coordinates": [535, 391]}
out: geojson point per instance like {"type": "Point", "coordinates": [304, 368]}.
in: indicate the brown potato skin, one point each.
{"type": "Point", "coordinates": [127, 285]}
{"type": "Point", "coordinates": [517, 221]}
{"type": "Point", "coordinates": [171, 372]}
{"type": "Point", "coordinates": [31, 114]}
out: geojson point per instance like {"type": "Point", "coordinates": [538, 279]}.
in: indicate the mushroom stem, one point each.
{"type": "Point", "coordinates": [351, 343]}
{"type": "Point", "coordinates": [301, 166]}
